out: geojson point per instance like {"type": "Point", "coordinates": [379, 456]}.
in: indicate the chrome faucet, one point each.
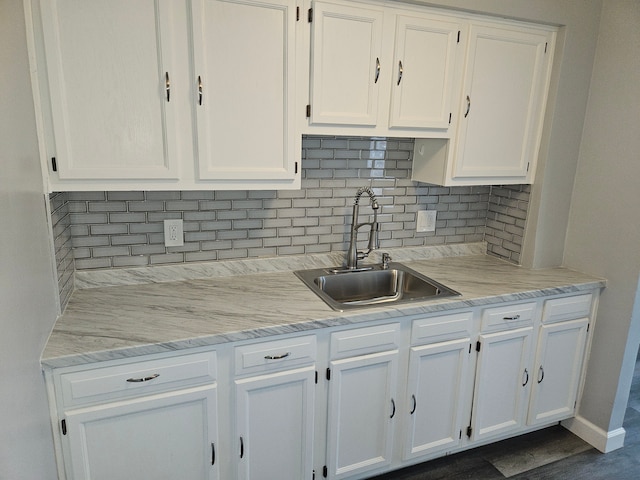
{"type": "Point", "coordinates": [353, 255]}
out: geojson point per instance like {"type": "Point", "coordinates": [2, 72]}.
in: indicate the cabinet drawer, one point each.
{"type": "Point", "coordinates": [508, 317]}
{"type": "Point", "coordinates": [567, 308]}
{"type": "Point", "coordinates": [441, 328]}
{"type": "Point", "coordinates": [275, 354]}
{"type": "Point", "coordinates": [139, 378]}
{"type": "Point", "coordinates": [362, 341]}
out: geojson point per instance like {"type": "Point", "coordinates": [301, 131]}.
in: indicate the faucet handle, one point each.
{"type": "Point", "coordinates": [386, 258]}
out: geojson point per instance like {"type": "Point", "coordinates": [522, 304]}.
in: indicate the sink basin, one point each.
{"type": "Point", "coordinates": [344, 289]}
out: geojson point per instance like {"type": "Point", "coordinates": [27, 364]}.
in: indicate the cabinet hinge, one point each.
{"type": "Point", "coordinates": [328, 374]}
{"type": "Point", "coordinates": [478, 345]}
{"type": "Point", "coordinates": [64, 426]}
{"type": "Point", "coordinates": [308, 111]}
{"type": "Point", "coordinates": [310, 15]}
{"type": "Point", "coordinates": [297, 14]}
{"type": "Point", "coordinates": [296, 168]}
{"type": "Point", "coordinates": [54, 164]}
{"type": "Point", "coordinates": [325, 471]}
{"type": "Point", "coordinates": [458, 41]}
{"type": "Point", "coordinates": [469, 431]}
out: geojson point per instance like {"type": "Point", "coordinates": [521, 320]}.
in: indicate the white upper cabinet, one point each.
{"type": "Point", "coordinates": [346, 44]}
{"type": "Point", "coordinates": [109, 67]}
{"type": "Point", "coordinates": [500, 113]}
{"type": "Point", "coordinates": [380, 70]}
{"type": "Point", "coordinates": [154, 95]}
{"type": "Point", "coordinates": [244, 55]}
{"type": "Point", "coordinates": [424, 61]}
{"type": "Point", "coordinates": [504, 89]}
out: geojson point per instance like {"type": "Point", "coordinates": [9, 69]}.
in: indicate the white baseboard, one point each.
{"type": "Point", "coordinates": [594, 435]}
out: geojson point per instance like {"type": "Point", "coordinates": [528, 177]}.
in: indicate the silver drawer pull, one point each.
{"type": "Point", "coordinates": [513, 317]}
{"type": "Point", "coordinates": [143, 379]}
{"type": "Point", "coordinates": [277, 357]}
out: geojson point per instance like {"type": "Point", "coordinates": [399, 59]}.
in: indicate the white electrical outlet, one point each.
{"type": "Point", "coordinates": [173, 235]}
{"type": "Point", "coordinates": [426, 221]}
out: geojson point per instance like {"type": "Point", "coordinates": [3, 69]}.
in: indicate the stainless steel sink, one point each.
{"type": "Point", "coordinates": [344, 289]}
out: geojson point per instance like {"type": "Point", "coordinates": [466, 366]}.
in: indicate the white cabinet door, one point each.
{"type": "Point", "coordinates": [346, 63]}
{"type": "Point", "coordinates": [501, 112]}
{"type": "Point", "coordinates": [557, 370]}
{"type": "Point", "coordinates": [274, 425]}
{"type": "Point", "coordinates": [423, 81]}
{"type": "Point", "coordinates": [437, 381]}
{"type": "Point", "coordinates": [163, 437]}
{"type": "Point", "coordinates": [244, 88]}
{"type": "Point", "coordinates": [109, 72]}
{"type": "Point", "coordinates": [502, 383]}
{"type": "Point", "coordinates": [362, 410]}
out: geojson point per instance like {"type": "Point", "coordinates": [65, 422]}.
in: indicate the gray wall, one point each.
{"type": "Point", "coordinates": [604, 229]}
{"type": "Point", "coordinates": [27, 288]}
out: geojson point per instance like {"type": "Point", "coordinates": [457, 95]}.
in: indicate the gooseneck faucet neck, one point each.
{"type": "Point", "coordinates": [353, 255]}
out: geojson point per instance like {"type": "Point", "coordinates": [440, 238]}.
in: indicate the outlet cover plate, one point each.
{"type": "Point", "coordinates": [426, 221]}
{"type": "Point", "coordinates": [173, 233]}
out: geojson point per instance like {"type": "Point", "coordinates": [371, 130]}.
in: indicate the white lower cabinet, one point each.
{"type": "Point", "coordinates": [502, 383]}
{"type": "Point", "coordinates": [341, 403]}
{"type": "Point", "coordinates": [362, 400]}
{"type": "Point", "coordinates": [159, 420]}
{"type": "Point", "coordinates": [166, 436]}
{"type": "Point", "coordinates": [437, 377]}
{"type": "Point", "coordinates": [274, 410]}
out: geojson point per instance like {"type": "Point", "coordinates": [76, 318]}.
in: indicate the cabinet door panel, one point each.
{"type": "Point", "coordinates": [346, 69]}
{"type": "Point", "coordinates": [362, 408]}
{"type": "Point", "coordinates": [107, 64]}
{"type": "Point", "coordinates": [275, 421]}
{"type": "Point", "coordinates": [504, 85]}
{"type": "Point", "coordinates": [502, 383]}
{"type": "Point", "coordinates": [436, 387]}
{"type": "Point", "coordinates": [244, 58]}
{"type": "Point", "coordinates": [557, 370]}
{"type": "Point", "coordinates": [422, 83]}
{"type": "Point", "coordinates": [163, 437]}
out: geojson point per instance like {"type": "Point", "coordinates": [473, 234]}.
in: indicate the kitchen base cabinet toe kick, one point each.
{"type": "Point", "coordinates": [346, 402]}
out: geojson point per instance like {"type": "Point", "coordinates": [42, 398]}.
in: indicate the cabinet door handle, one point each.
{"type": "Point", "coordinates": [277, 357]}
{"type": "Point", "coordinates": [143, 379]}
{"type": "Point", "coordinates": [377, 70]}
{"type": "Point", "coordinates": [512, 317]}
{"type": "Point", "coordinates": [526, 372]}
{"type": "Point", "coordinates": [167, 86]}
{"type": "Point", "coordinates": [213, 454]}
{"type": "Point", "coordinates": [400, 70]}
{"type": "Point", "coordinates": [241, 447]}
{"type": "Point", "coordinates": [540, 374]}
{"type": "Point", "coordinates": [415, 404]}
{"type": "Point", "coordinates": [200, 90]}
{"type": "Point", "coordinates": [468, 106]}
{"type": "Point", "coordinates": [393, 408]}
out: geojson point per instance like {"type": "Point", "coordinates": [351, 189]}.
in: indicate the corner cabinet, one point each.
{"type": "Point", "coordinates": [151, 95]}
{"type": "Point", "coordinates": [343, 402]}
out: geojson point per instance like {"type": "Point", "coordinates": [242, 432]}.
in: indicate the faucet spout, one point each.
{"type": "Point", "coordinates": [353, 255]}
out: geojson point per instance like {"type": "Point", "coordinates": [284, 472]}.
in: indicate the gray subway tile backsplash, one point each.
{"type": "Point", "coordinates": [121, 229]}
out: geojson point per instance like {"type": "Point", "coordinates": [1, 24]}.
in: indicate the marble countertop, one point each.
{"type": "Point", "coordinates": [120, 321]}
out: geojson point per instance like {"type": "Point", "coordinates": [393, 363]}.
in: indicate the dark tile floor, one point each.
{"type": "Point", "coordinates": [552, 453]}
